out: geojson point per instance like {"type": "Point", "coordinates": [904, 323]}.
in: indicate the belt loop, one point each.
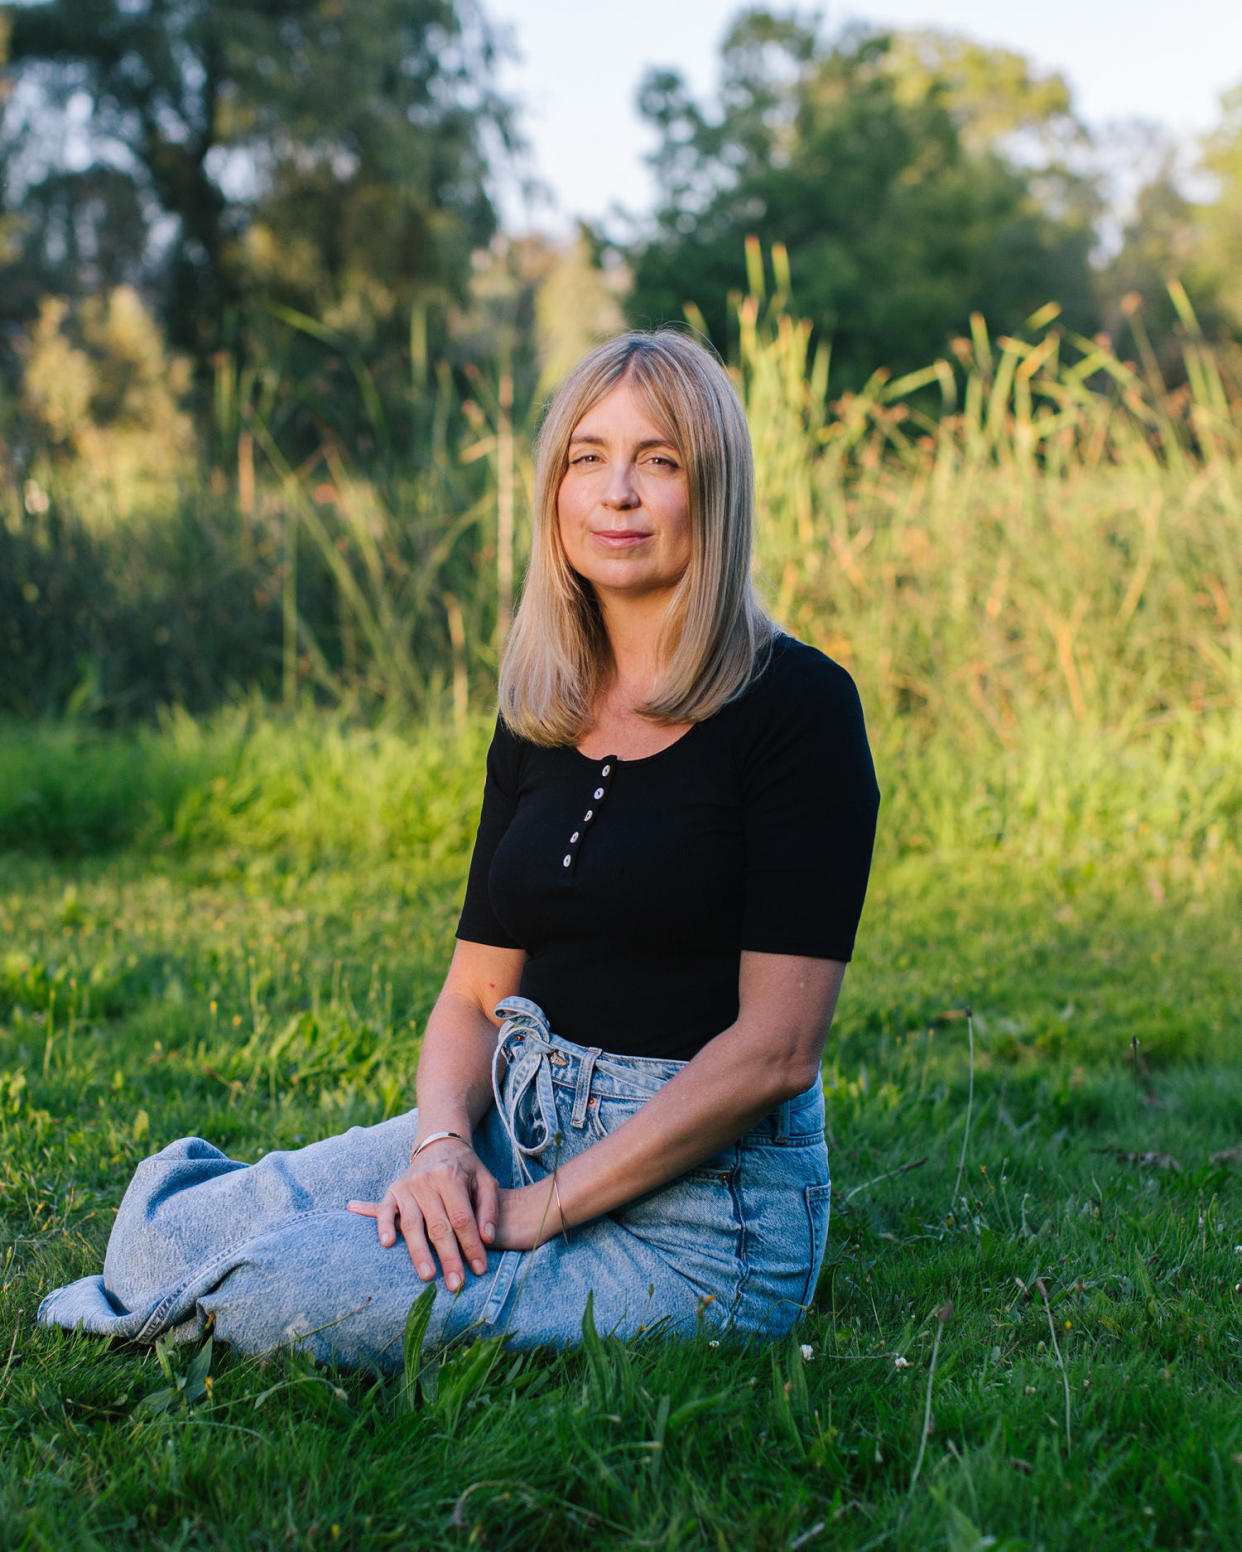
{"type": "Point", "coordinates": [782, 1121]}
{"type": "Point", "coordinates": [586, 1070]}
{"type": "Point", "coordinates": [525, 1029]}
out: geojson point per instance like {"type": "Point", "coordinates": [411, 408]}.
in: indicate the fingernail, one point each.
{"type": "Point", "coordinates": [426, 1271]}
{"type": "Point", "coordinates": [480, 1266]}
{"type": "Point", "coordinates": [385, 1238]}
{"type": "Point", "coordinates": [488, 1230]}
{"type": "Point", "coordinates": [453, 1281]}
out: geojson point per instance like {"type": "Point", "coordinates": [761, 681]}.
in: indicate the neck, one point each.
{"type": "Point", "coordinates": [633, 629]}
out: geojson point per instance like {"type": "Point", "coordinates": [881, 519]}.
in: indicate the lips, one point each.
{"type": "Point", "coordinates": [619, 538]}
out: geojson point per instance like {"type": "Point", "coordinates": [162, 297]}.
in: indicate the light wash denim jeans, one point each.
{"type": "Point", "coordinates": [268, 1252]}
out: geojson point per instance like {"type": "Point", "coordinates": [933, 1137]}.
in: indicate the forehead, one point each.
{"type": "Point", "coordinates": [626, 409]}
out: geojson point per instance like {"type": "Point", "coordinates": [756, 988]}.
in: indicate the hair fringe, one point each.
{"type": "Point", "coordinates": [557, 656]}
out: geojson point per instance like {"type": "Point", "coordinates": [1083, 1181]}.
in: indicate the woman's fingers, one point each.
{"type": "Point", "coordinates": [449, 1215]}
{"type": "Point", "coordinates": [387, 1215]}
{"type": "Point", "coordinates": [384, 1214]}
{"type": "Point", "coordinates": [386, 1218]}
{"type": "Point", "coordinates": [406, 1214]}
{"type": "Point", "coordinates": [486, 1206]}
{"type": "Point", "coordinates": [453, 1230]}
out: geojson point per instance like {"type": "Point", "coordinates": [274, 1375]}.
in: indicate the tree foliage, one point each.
{"type": "Point", "coordinates": [1217, 270]}
{"type": "Point", "coordinates": [1183, 226]}
{"type": "Point", "coordinates": [101, 405]}
{"type": "Point", "coordinates": [329, 155]}
{"type": "Point", "coordinates": [913, 179]}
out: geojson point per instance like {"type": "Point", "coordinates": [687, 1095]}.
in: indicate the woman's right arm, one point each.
{"type": "Point", "coordinates": [445, 1204]}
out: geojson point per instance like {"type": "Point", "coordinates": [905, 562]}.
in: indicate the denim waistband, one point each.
{"type": "Point", "coordinates": [535, 1057]}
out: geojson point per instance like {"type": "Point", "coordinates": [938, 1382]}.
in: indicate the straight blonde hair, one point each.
{"type": "Point", "coordinates": [557, 657]}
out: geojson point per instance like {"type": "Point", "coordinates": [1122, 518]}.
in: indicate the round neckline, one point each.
{"type": "Point", "coordinates": [642, 759]}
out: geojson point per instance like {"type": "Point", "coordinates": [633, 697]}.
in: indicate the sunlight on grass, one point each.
{"type": "Point", "coordinates": [1026, 1333]}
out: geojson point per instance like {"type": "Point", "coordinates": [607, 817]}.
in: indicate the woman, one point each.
{"type": "Point", "coordinates": [670, 864]}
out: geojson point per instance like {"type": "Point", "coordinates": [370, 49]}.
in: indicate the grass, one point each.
{"type": "Point", "coordinates": [257, 970]}
{"type": "Point", "coordinates": [1027, 1334]}
{"type": "Point", "coordinates": [1029, 524]}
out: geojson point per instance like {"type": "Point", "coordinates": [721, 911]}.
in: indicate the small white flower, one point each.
{"type": "Point", "coordinates": [901, 1363]}
{"type": "Point", "coordinates": [807, 1351]}
{"type": "Point", "coordinates": [713, 1343]}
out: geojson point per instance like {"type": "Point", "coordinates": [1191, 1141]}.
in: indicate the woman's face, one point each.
{"type": "Point", "coordinates": [623, 507]}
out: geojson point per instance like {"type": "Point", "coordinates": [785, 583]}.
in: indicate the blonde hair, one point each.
{"type": "Point", "coordinates": [557, 657]}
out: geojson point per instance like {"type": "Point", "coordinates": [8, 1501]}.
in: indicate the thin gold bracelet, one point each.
{"type": "Point", "coordinates": [556, 1191]}
{"type": "Point", "coordinates": [437, 1137]}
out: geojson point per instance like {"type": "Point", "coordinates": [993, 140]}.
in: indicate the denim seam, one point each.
{"type": "Point", "coordinates": [739, 1215]}
{"type": "Point", "coordinates": [817, 1262]}
{"type": "Point", "coordinates": [801, 1140]}
{"type": "Point", "coordinates": [502, 1285]}
{"type": "Point", "coordinates": [157, 1320]}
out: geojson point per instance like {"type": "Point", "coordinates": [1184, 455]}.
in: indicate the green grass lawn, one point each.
{"type": "Point", "coordinates": [1044, 1266]}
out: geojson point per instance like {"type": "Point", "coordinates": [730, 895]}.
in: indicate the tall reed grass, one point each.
{"type": "Point", "coordinates": [1028, 553]}
{"type": "Point", "coordinates": [1030, 556]}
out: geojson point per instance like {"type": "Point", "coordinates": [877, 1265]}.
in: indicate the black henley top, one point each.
{"type": "Point", "coordinates": [633, 885]}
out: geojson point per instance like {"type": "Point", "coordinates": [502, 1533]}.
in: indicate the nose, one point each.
{"type": "Point", "coordinates": [620, 491]}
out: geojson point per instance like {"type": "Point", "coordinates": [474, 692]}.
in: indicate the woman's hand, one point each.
{"type": "Point", "coordinates": [447, 1205]}
{"type": "Point", "coordinates": [528, 1217]}
{"type": "Point", "coordinates": [454, 1209]}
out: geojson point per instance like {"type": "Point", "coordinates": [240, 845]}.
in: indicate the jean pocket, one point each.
{"type": "Point", "coordinates": [818, 1200]}
{"type": "Point", "coordinates": [605, 1114]}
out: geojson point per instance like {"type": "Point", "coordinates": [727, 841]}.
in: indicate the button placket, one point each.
{"type": "Point", "coordinates": [598, 794]}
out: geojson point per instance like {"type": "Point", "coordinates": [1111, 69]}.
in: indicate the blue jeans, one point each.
{"type": "Point", "coordinates": [269, 1253]}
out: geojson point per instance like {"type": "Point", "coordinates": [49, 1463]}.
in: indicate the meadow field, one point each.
{"type": "Point", "coordinates": [232, 921]}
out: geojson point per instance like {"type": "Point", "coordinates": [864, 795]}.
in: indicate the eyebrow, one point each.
{"type": "Point", "coordinates": [597, 441]}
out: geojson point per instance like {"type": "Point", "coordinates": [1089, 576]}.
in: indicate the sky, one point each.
{"type": "Point", "coordinates": [581, 61]}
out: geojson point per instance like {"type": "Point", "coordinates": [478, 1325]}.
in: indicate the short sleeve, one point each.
{"type": "Point", "coordinates": [478, 923]}
{"type": "Point", "coordinates": [810, 802]}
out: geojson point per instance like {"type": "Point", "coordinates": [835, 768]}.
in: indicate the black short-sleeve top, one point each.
{"type": "Point", "coordinates": [633, 885]}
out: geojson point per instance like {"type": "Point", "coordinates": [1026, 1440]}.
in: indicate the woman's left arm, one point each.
{"type": "Point", "coordinates": [770, 1053]}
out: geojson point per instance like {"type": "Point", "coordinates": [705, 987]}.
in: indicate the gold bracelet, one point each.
{"type": "Point", "coordinates": [556, 1192]}
{"type": "Point", "coordinates": [437, 1137]}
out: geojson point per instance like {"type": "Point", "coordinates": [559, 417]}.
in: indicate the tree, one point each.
{"type": "Point", "coordinates": [1174, 233]}
{"type": "Point", "coordinates": [101, 416]}
{"type": "Point", "coordinates": [1217, 270]}
{"type": "Point", "coordinates": [330, 155]}
{"type": "Point", "coordinates": [902, 179]}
